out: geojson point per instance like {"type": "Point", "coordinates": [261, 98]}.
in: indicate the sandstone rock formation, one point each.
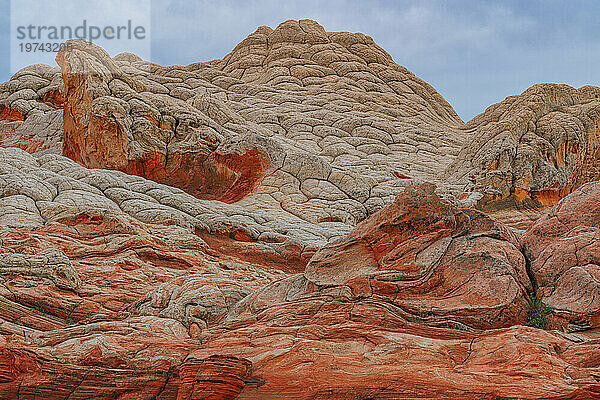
{"type": "Point", "coordinates": [531, 150]}
{"type": "Point", "coordinates": [435, 263]}
{"type": "Point", "coordinates": [257, 227]}
{"type": "Point", "coordinates": [564, 250]}
{"type": "Point", "coordinates": [327, 115]}
{"type": "Point", "coordinates": [31, 109]}
{"type": "Point", "coordinates": [323, 125]}
{"type": "Point", "coordinates": [108, 290]}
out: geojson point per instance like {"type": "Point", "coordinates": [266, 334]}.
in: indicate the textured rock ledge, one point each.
{"type": "Point", "coordinates": [322, 124]}
{"type": "Point", "coordinates": [104, 298]}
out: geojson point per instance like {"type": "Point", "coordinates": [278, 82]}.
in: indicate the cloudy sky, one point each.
{"type": "Point", "coordinates": [475, 53]}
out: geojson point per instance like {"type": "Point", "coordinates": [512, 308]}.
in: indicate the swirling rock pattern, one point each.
{"type": "Point", "coordinates": [433, 262]}
{"type": "Point", "coordinates": [257, 227]}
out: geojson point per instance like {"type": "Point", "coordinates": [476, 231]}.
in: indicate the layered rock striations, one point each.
{"type": "Point", "coordinates": [257, 227]}
{"type": "Point", "coordinates": [108, 290]}
{"type": "Point", "coordinates": [433, 262]}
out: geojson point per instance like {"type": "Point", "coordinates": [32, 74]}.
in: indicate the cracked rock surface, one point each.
{"type": "Point", "coordinates": [108, 288]}
{"type": "Point", "coordinates": [302, 219]}
{"type": "Point", "coordinates": [322, 125]}
{"type": "Point", "coordinates": [529, 151]}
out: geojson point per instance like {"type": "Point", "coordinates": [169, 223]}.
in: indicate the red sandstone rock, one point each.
{"type": "Point", "coordinates": [435, 262]}
{"type": "Point", "coordinates": [112, 286]}
{"type": "Point", "coordinates": [53, 98]}
{"type": "Point", "coordinates": [10, 115]}
{"type": "Point", "coordinates": [30, 118]}
{"type": "Point", "coordinates": [563, 250]}
{"type": "Point", "coordinates": [108, 132]}
{"type": "Point", "coordinates": [152, 314]}
{"type": "Point", "coordinates": [213, 378]}
{"type": "Point", "coordinates": [532, 149]}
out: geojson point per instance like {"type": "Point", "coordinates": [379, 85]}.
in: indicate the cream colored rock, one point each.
{"type": "Point", "coordinates": [531, 150]}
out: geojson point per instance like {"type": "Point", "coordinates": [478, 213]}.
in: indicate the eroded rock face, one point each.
{"type": "Point", "coordinates": [101, 376]}
{"type": "Point", "coordinates": [322, 124]}
{"type": "Point", "coordinates": [324, 128]}
{"type": "Point", "coordinates": [156, 312]}
{"type": "Point", "coordinates": [127, 131]}
{"type": "Point", "coordinates": [31, 110]}
{"type": "Point", "coordinates": [196, 301]}
{"type": "Point", "coordinates": [438, 264]}
{"type": "Point", "coordinates": [248, 274]}
{"type": "Point", "coordinates": [288, 107]}
{"type": "Point", "coordinates": [531, 150]}
{"type": "Point", "coordinates": [563, 249]}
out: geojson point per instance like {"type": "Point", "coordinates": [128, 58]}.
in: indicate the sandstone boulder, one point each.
{"type": "Point", "coordinates": [436, 263]}
{"type": "Point", "coordinates": [563, 251]}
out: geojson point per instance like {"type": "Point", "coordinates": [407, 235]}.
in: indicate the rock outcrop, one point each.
{"type": "Point", "coordinates": [327, 115]}
{"type": "Point", "coordinates": [531, 150]}
{"type": "Point", "coordinates": [109, 290]}
{"type": "Point", "coordinates": [433, 262]}
{"type": "Point", "coordinates": [323, 125]}
{"type": "Point", "coordinates": [564, 251]}
{"type": "Point", "coordinates": [31, 110]}
{"type": "Point", "coordinates": [258, 227]}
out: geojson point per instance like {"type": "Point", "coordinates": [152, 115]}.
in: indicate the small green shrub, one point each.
{"type": "Point", "coordinates": [538, 313]}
